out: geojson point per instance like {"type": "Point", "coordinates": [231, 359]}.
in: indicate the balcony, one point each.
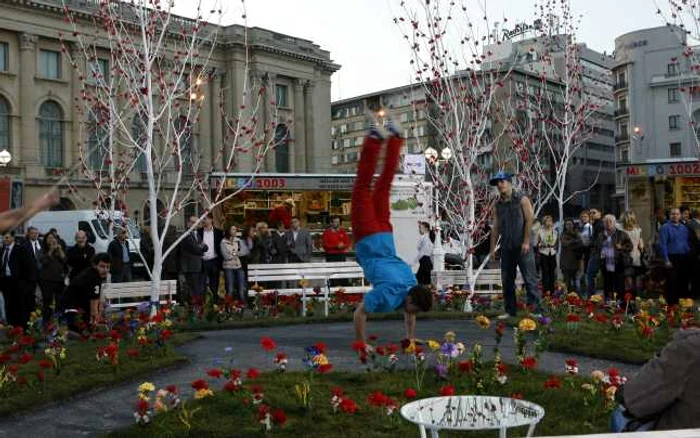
{"type": "Point", "coordinates": [622, 138]}
{"type": "Point", "coordinates": [621, 85]}
{"type": "Point", "coordinates": [620, 112]}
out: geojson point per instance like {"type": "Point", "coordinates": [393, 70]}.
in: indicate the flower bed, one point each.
{"type": "Point", "coordinates": [229, 401]}
{"type": "Point", "coordinates": [41, 366]}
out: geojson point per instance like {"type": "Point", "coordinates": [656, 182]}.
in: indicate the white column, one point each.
{"type": "Point", "coordinates": [299, 156]}
{"type": "Point", "coordinates": [28, 117]}
{"type": "Point", "coordinates": [310, 128]}
{"type": "Point", "coordinates": [269, 80]}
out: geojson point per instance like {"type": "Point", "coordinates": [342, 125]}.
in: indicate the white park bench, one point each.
{"type": "Point", "coordinates": [313, 273]}
{"type": "Point", "coordinates": [488, 282]}
{"type": "Point", "coordinates": [134, 293]}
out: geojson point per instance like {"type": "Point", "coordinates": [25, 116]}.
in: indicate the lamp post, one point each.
{"type": "Point", "coordinates": [637, 137]}
{"type": "Point", "coordinates": [5, 158]}
{"type": "Point", "coordinates": [431, 155]}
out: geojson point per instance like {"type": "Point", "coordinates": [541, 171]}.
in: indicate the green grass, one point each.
{"type": "Point", "coordinates": [225, 415]}
{"type": "Point", "coordinates": [603, 342]}
{"type": "Point", "coordinates": [284, 320]}
{"type": "Point", "coordinates": [82, 372]}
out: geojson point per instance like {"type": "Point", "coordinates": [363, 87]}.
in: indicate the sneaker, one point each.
{"type": "Point", "coordinates": [393, 128]}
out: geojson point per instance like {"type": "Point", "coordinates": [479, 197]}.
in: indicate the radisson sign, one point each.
{"type": "Point", "coordinates": [521, 29]}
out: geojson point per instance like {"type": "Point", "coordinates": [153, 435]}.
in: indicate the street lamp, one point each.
{"type": "Point", "coordinates": [5, 157]}
{"type": "Point", "coordinates": [637, 138]}
{"type": "Point", "coordinates": [431, 156]}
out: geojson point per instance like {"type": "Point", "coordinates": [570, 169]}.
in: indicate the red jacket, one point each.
{"type": "Point", "coordinates": [331, 240]}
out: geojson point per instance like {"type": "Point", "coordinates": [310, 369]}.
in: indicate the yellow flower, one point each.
{"type": "Point", "coordinates": [686, 303]}
{"type": "Point", "coordinates": [411, 347]}
{"type": "Point", "coordinates": [450, 336]}
{"type": "Point", "coordinates": [320, 359]}
{"type": "Point", "coordinates": [598, 376]}
{"type": "Point", "coordinates": [483, 322]}
{"type": "Point", "coordinates": [597, 299]}
{"type": "Point", "coordinates": [202, 393]}
{"type": "Point", "coordinates": [610, 392]}
{"type": "Point", "coordinates": [433, 345]}
{"type": "Point", "coordinates": [146, 387]}
{"type": "Point", "coordinates": [527, 325]}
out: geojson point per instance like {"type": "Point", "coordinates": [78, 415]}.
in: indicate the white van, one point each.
{"type": "Point", "coordinates": [94, 223]}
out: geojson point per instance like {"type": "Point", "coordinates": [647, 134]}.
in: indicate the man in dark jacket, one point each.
{"type": "Point", "coordinates": [211, 258]}
{"type": "Point", "coordinates": [82, 303]}
{"type": "Point", "coordinates": [593, 266]}
{"type": "Point", "coordinates": [118, 250]}
{"type": "Point", "coordinates": [18, 279]}
{"type": "Point", "coordinates": [146, 246]}
{"type": "Point", "coordinates": [191, 251]}
{"type": "Point", "coordinates": [665, 390]}
{"type": "Point", "coordinates": [79, 255]}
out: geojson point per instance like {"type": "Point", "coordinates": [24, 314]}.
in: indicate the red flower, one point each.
{"type": "Point", "coordinates": [572, 317]}
{"type": "Point", "coordinates": [571, 363]}
{"type": "Point", "coordinates": [215, 373]}
{"type": "Point", "coordinates": [372, 338]}
{"type": "Point", "coordinates": [256, 389]}
{"type": "Point", "coordinates": [171, 389]}
{"type": "Point", "coordinates": [267, 343]}
{"type": "Point", "coordinates": [377, 398]}
{"type": "Point", "coordinates": [602, 318]}
{"type": "Point", "coordinates": [280, 356]}
{"type": "Point", "coordinates": [200, 384]}
{"type": "Point", "coordinates": [348, 406]}
{"type": "Point", "coordinates": [12, 369]}
{"type": "Point", "coordinates": [232, 386]}
{"type": "Point", "coordinates": [16, 331]}
{"type": "Point", "coordinates": [115, 336]}
{"type": "Point", "coordinates": [529, 363]}
{"type": "Point", "coordinates": [279, 417]}
{"type": "Point", "coordinates": [323, 369]}
{"type": "Point", "coordinates": [25, 358]}
{"type": "Point", "coordinates": [40, 376]}
{"type": "Point", "coordinates": [380, 350]}
{"type": "Point", "coordinates": [25, 341]}
{"type": "Point", "coordinates": [628, 297]}
{"type": "Point", "coordinates": [142, 407]}
{"type": "Point", "coordinates": [132, 352]}
{"type": "Point", "coordinates": [166, 334]}
{"type": "Point", "coordinates": [337, 391]}
{"type": "Point", "coordinates": [517, 395]}
{"type": "Point", "coordinates": [500, 328]}
{"type": "Point", "coordinates": [235, 374]}
{"type": "Point", "coordinates": [4, 357]}
{"type": "Point", "coordinates": [502, 369]}
{"type": "Point", "coordinates": [447, 390]}
{"type": "Point", "coordinates": [358, 346]}
{"type": "Point", "coordinates": [321, 347]}
{"type": "Point", "coordinates": [44, 363]}
{"type": "Point", "coordinates": [253, 373]}
{"type": "Point", "coordinates": [466, 366]}
{"type": "Point", "coordinates": [410, 393]}
{"type": "Point", "coordinates": [552, 383]}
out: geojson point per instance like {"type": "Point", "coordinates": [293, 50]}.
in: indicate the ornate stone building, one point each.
{"type": "Point", "coordinates": [40, 124]}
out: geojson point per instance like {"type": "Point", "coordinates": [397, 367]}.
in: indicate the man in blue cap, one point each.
{"type": "Point", "coordinates": [512, 221]}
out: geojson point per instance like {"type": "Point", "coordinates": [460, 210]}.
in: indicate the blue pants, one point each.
{"type": "Point", "coordinates": [3, 316]}
{"type": "Point", "coordinates": [619, 422]}
{"type": "Point", "coordinates": [591, 273]}
{"type": "Point", "coordinates": [235, 281]}
{"type": "Point", "coordinates": [511, 259]}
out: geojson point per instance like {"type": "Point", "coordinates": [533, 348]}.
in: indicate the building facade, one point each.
{"type": "Point", "coordinates": [593, 164]}
{"type": "Point", "coordinates": [40, 122]}
{"type": "Point", "coordinates": [656, 116]}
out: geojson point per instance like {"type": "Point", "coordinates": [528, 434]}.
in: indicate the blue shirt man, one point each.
{"type": "Point", "coordinates": [676, 250]}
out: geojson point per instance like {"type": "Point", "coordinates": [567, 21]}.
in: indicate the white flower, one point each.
{"type": "Point", "coordinates": [502, 379]}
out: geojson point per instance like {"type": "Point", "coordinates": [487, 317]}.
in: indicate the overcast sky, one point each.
{"type": "Point", "coordinates": [362, 38]}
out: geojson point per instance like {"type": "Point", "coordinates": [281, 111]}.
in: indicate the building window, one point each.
{"type": "Point", "coordinates": [4, 124]}
{"type": "Point", "coordinates": [420, 131]}
{"type": "Point", "coordinates": [346, 143]}
{"type": "Point", "coordinates": [49, 64]}
{"type": "Point", "coordinates": [673, 95]}
{"type": "Point", "coordinates": [282, 96]}
{"type": "Point", "coordinates": [358, 141]}
{"type": "Point", "coordinates": [403, 118]}
{"type": "Point", "coordinates": [97, 137]}
{"type": "Point", "coordinates": [343, 129]}
{"type": "Point", "coordinates": [358, 126]}
{"type": "Point", "coordinates": [282, 148]}
{"type": "Point", "coordinates": [335, 145]}
{"type": "Point", "coordinates": [51, 134]}
{"type": "Point", "coordinates": [98, 72]}
{"type": "Point", "coordinates": [625, 155]}
{"type": "Point", "coordinates": [520, 86]}
{"type": "Point", "coordinates": [138, 136]}
{"type": "Point", "coordinates": [4, 57]}
{"type": "Point", "coordinates": [675, 149]}
{"type": "Point", "coordinates": [334, 159]}
{"type": "Point", "coordinates": [673, 69]}
{"type": "Point", "coordinates": [622, 104]}
{"type": "Point", "coordinates": [622, 78]}
{"type": "Point", "coordinates": [674, 122]}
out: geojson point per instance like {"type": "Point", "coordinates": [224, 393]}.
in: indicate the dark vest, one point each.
{"type": "Point", "coordinates": [511, 222]}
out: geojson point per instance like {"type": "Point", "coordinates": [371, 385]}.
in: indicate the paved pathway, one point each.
{"type": "Point", "coordinates": [99, 412]}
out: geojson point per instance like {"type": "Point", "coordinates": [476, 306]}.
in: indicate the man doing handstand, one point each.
{"type": "Point", "coordinates": [393, 281]}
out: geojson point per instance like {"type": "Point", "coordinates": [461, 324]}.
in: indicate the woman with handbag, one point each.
{"type": "Point", "coordinates": [613, 247]}
{"type": "Point", "coordinates": [636, 268]}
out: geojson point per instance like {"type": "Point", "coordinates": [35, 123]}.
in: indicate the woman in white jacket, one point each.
{"type": "Point", "coordinates": [425, 252]}
{"type": "Point", "coordinates": [233, 268]}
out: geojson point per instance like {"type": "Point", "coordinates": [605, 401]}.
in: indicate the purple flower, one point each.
{"type": "Point", "coordinates": [545, 320]}
{"type": "Point", "coordinates": [441, 370]}
{"type": "Point", "coordinates": [449, 349]}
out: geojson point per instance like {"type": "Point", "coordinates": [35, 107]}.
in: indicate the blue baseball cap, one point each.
{"type": "Point", "coordinates": [500, 176]}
